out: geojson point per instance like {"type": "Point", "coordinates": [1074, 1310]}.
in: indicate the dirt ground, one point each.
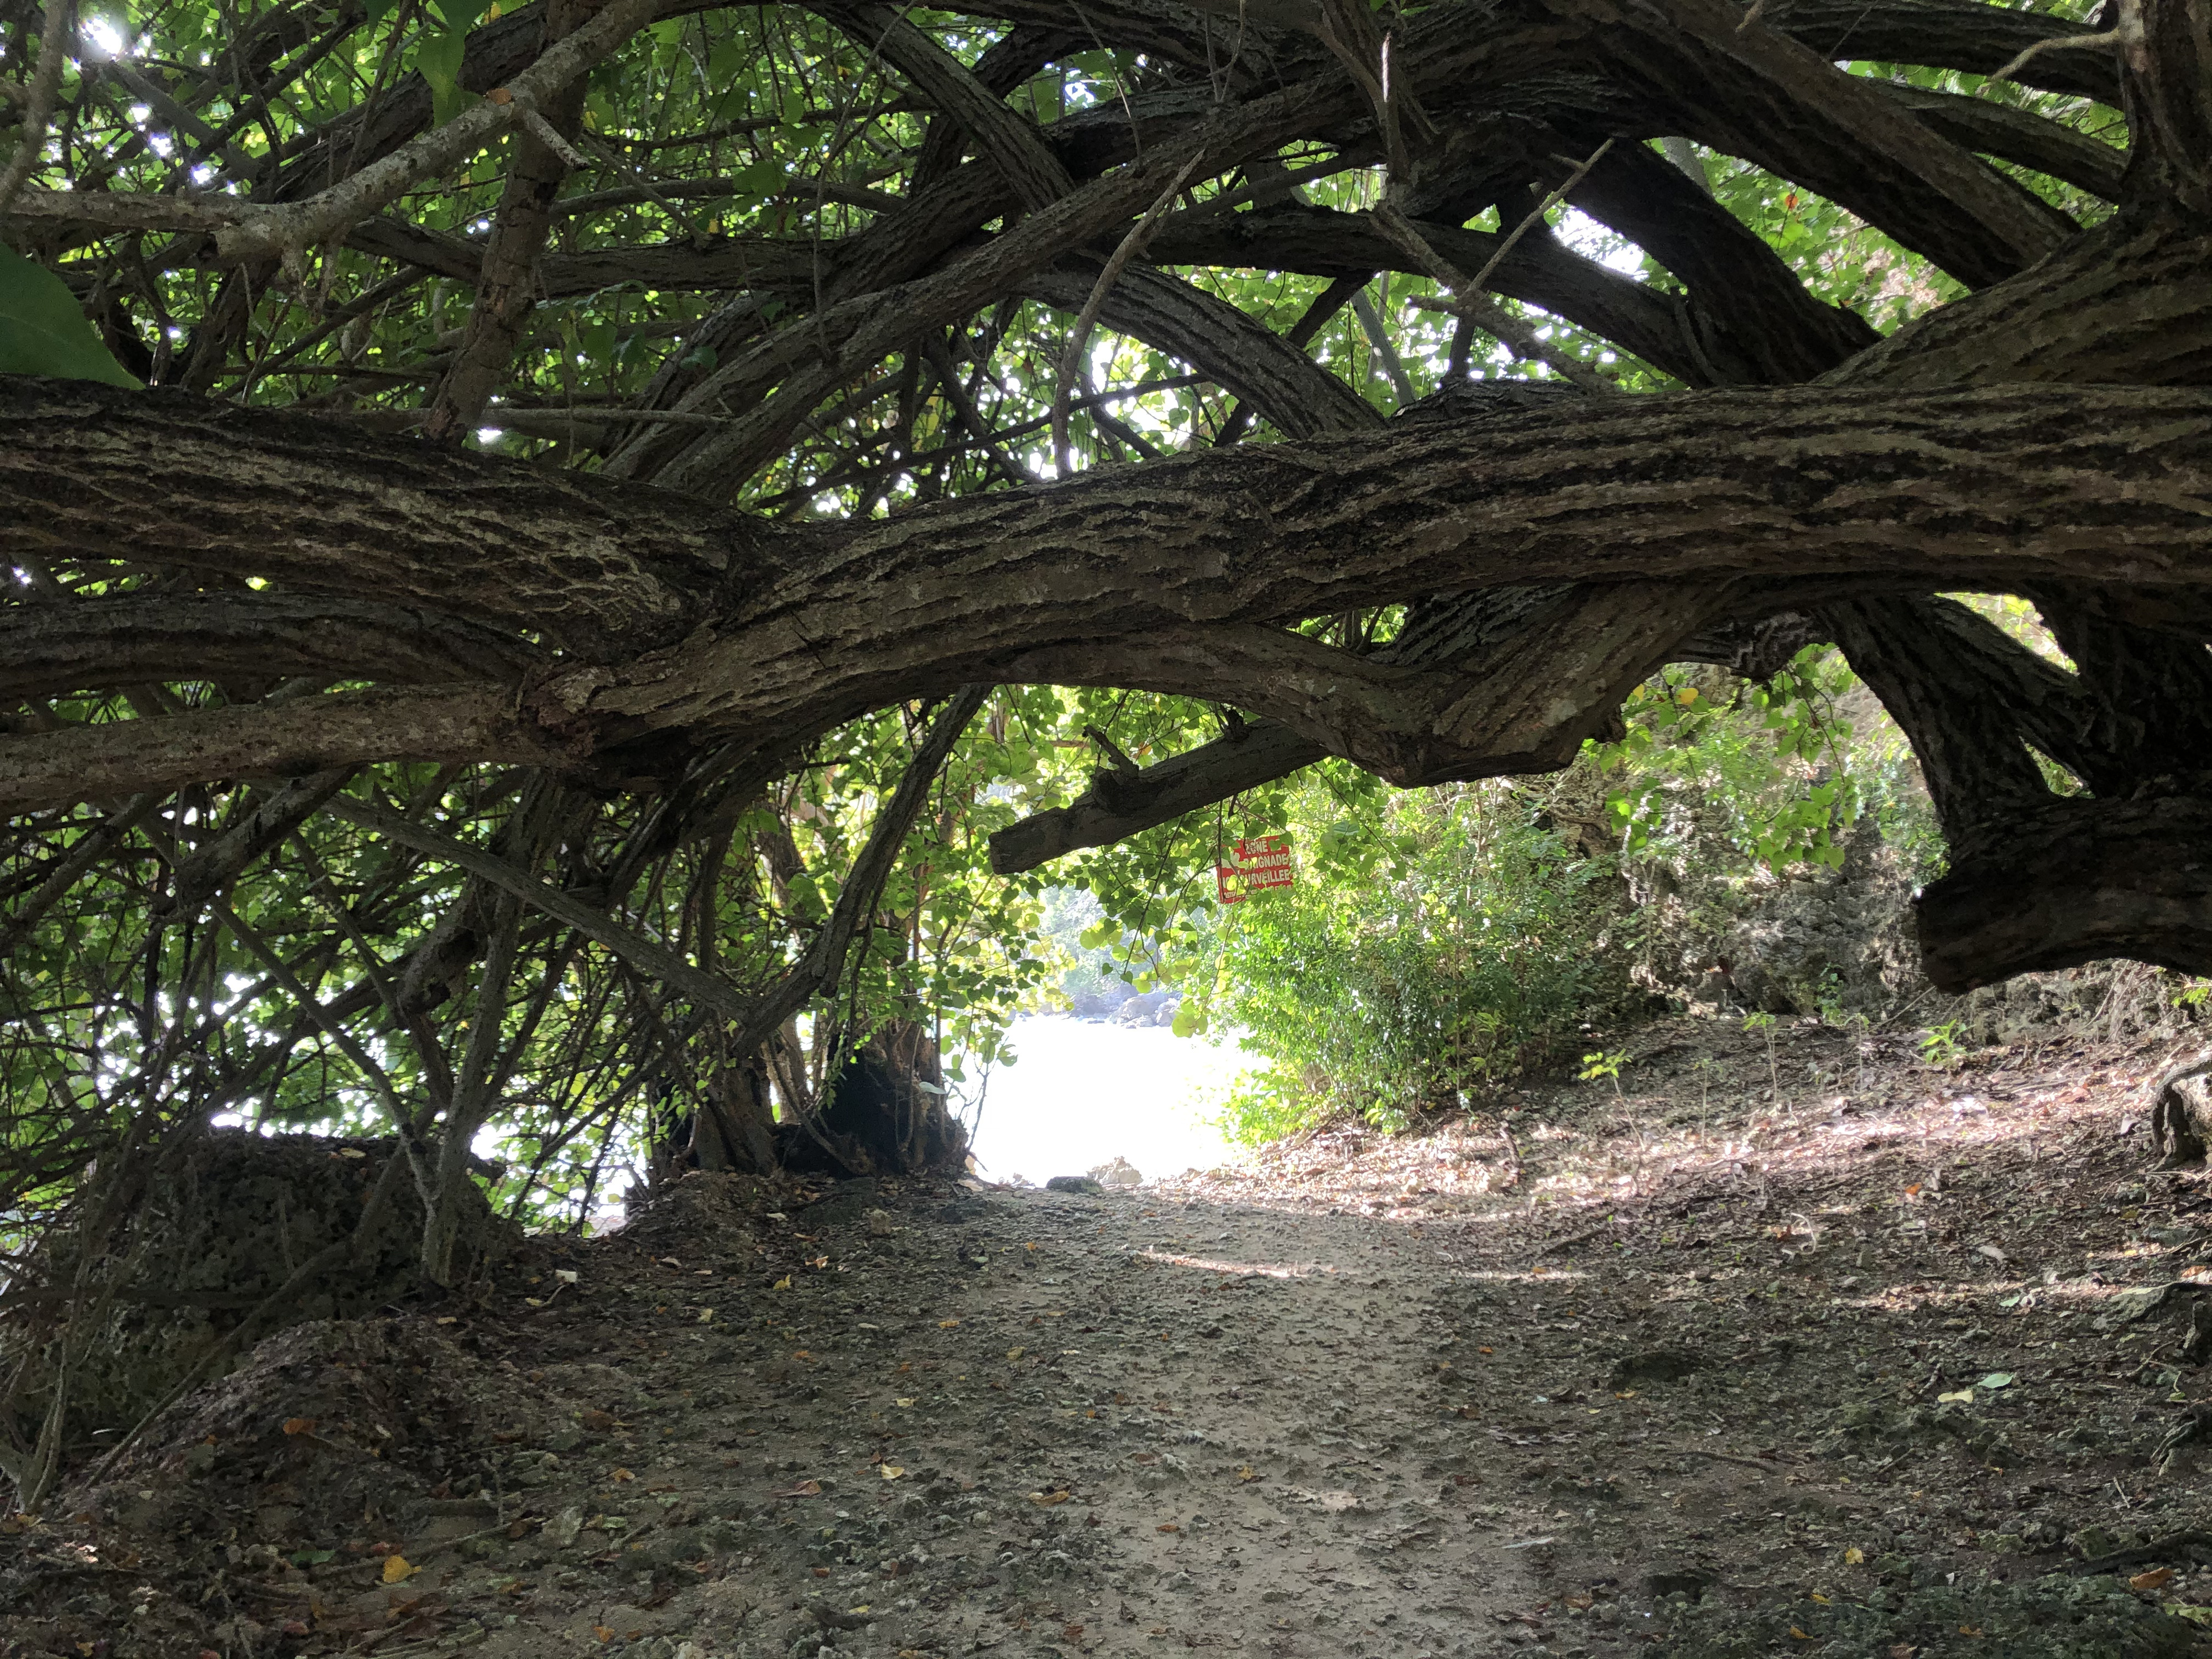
{"type": "Point", "coordinates": [1811, 1345]}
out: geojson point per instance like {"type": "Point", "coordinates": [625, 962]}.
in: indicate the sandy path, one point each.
{"type": "Point", "coordinates": [1119, 1427]}
{"type": "Point", "coordinates": [1825, 1368]}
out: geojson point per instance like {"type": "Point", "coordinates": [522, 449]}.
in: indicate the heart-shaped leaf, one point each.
{"type": "Point", "coordinates": [43, 332]}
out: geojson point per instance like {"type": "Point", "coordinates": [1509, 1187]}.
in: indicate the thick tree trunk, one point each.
{"type": "Point", "coordinates": [618, 633]}
{"type": "Point", "coordinates": [734, 1127]}
{"type": "Point", "coordinates": [886, 1113]}
{"type": "Point", "coordinates": [2069, 881]}
{"type": "Point", "coordinates": [1169, 576]}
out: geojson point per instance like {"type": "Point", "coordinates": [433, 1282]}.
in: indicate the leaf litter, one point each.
{"type": "Point", "coordinates": [1853, 1374]}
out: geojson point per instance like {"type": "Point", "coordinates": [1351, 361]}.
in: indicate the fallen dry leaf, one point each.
{"type": "Point", "coordinates": [804, 1489]}
{"type": "Point", "coordinates": [396, 1570]}
{"type": "Point", "coordinates": [2156, 1578]}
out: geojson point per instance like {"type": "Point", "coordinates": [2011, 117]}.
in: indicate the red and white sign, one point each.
{"type": "Point", "coordinates": [1263, 862]}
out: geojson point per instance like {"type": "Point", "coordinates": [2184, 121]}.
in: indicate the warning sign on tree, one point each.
{"type": "Point", "coordinates": [1263, 861]}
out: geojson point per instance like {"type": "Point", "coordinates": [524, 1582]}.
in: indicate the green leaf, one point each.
{"type": "Point", "coordinates": [43, 332]}
{"type": "Point", "coordinates": [460, 16]}
{"type": "Point", "coordinates": [762, 179]}
{"type": "Point", "coordinates": [438, 59]}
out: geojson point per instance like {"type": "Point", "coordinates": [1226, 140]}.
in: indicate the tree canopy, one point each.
{"type": "Point", "coordinates": [509, 578]}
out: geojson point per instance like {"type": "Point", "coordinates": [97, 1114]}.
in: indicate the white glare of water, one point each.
{"type": "Point", "coordinates": [1084, 1094]}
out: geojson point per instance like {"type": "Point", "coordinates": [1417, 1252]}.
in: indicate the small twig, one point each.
{"type": "Point", "coordinates": [1071, 361]}
{"type": "Point", "coordinates": [548, 135]}
{"type": "Point", "coordinates": [1766, 1464]}
{"type": "Point", "coordinates": [416, 1557]}
{"type": "Point", "coordinates": [1122, 763]}
{"type": "Point", "coordinates": [1469, 298]}
{"type": "Point", "coordinates": [2121, 36]}
{"type": "Point", "coordinates": [1569, 1242]}
{"type": "Point", "coordinates": [2172, 1544]}
{"type": "Point", "coordinates": [1478, 308]}
{"type": "Point", "coordinates": [1364, 79]}
{"type": "Point", "coordinates": [1905, 1008]}
{"type": "Point", "coordinates": [1535, 217]}
{"type": "Point", "coordinates": [39, 104]}
{"type": "Point", "coordinates": [599, 147]}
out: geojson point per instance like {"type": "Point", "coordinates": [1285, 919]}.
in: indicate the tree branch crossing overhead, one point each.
{"type": "Point", "coordinates": [783, 385]}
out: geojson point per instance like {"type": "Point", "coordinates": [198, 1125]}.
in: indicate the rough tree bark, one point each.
{"type": "Point", "coordinates": [886, 1113]}
{"type": "Point", "coordinates": [2048, 434]}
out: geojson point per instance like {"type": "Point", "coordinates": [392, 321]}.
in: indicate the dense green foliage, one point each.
{"type": "Point", "coordinates": [1780, 770]}
{"type": "Point", "coordinates": [1429, 947]}
{"type": "Point", "coordinates": [1439, 941]}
